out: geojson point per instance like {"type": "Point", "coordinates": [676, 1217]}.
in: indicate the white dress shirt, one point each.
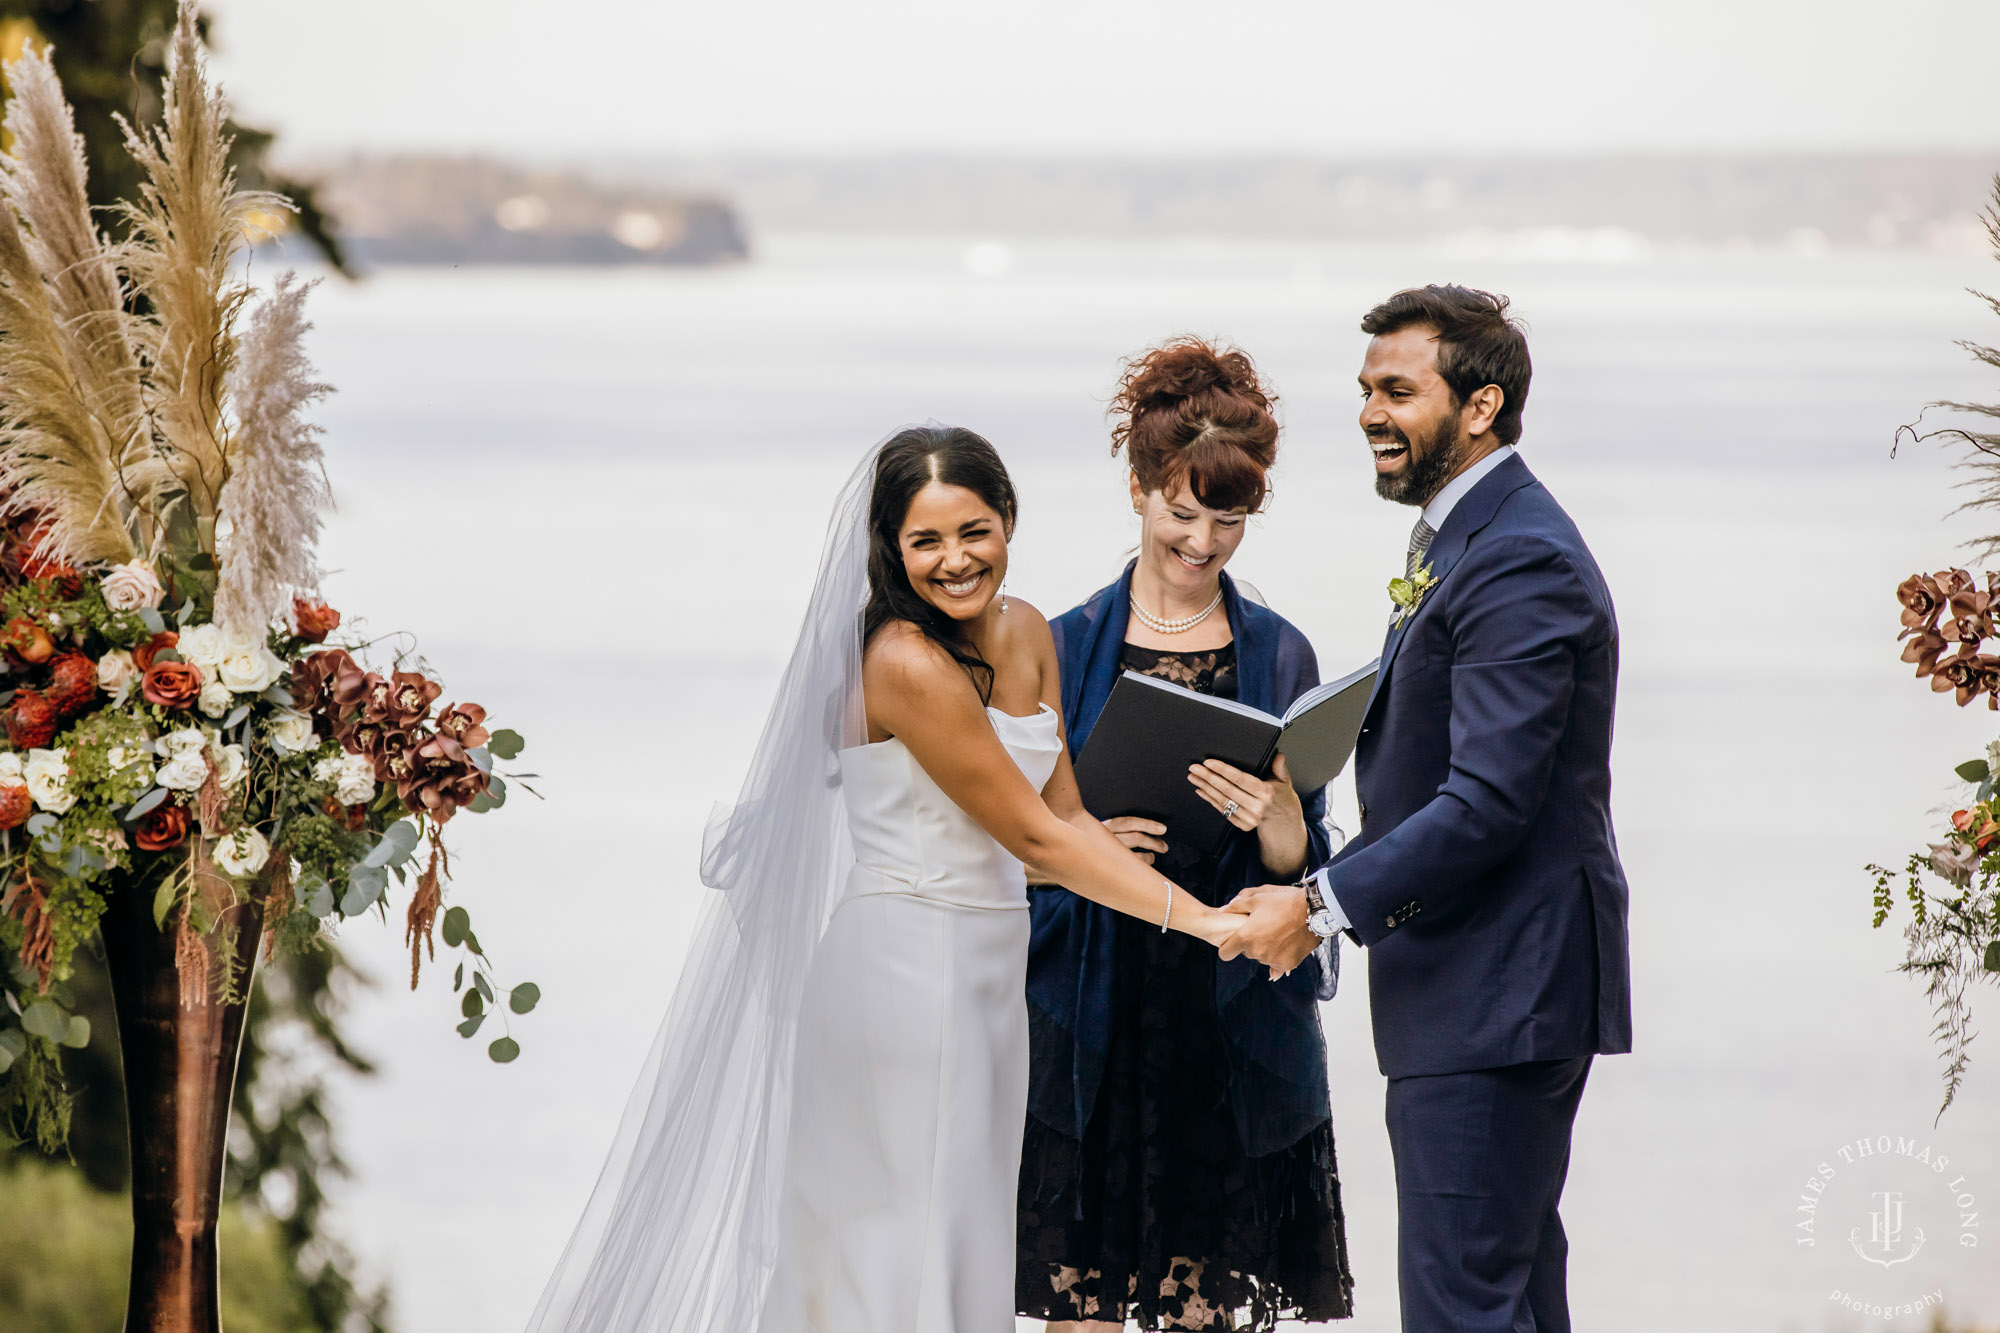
{"type": "Point", "coordinates": [1435, 513]}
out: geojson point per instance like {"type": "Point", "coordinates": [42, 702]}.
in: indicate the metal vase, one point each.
{"type": "Point", "coordinates": [180, 1070]}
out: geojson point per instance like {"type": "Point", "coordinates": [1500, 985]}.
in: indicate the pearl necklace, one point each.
{"type": "Point", "coordinates": [1180, 626]}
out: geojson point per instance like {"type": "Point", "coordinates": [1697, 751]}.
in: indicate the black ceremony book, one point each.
{"type": "Point", "coordinates": [1152, 731]}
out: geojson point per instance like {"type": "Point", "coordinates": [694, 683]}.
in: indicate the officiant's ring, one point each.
{"type": "Point", "coordinates": [1229, 810]}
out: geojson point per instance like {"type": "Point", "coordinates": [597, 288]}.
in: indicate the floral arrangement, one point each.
{"type": "Point", "coordinates": [179, 721]}
{"type": "Point", "coordinates": [1953, 938]}
{"type": "Point", "coordinates": [1953, 887]}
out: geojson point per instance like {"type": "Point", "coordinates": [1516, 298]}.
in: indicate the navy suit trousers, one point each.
{"type": "Point", "coordinates": [1480, 1162]}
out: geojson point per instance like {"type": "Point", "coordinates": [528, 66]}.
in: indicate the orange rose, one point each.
{"type": "Point", "coordinates": [315, 620]}
{"type": "Point", "coordinates": [143, 655]}
{"type": "Point", "coordinates": [162, 828]}
{"type": "Point", "coordinates": [172, 685]}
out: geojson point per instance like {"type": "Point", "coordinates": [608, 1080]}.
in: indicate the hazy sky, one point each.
{"type": "Point", "coordinates": [1125, 76]}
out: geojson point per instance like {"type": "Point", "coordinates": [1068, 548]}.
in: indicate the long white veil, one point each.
{"type": "Point", "coordinates": [681, 1232]}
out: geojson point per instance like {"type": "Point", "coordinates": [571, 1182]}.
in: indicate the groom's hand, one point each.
{"type": "Point", "coordinates": [1275, 933]}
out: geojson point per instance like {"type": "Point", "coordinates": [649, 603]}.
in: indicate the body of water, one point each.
{"type": "Point", "coordinates": [599, 496]}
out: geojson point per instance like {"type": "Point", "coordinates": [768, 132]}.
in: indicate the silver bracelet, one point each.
{"type": "Point", "coordinates": [1168, 919]}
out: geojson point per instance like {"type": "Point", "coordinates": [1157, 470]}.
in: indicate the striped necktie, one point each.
{"type": "Point", "coordinates": [1420, 542]}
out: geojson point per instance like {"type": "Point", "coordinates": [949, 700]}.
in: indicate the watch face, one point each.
{"type": "Point", "coordinates": [1321, 924]}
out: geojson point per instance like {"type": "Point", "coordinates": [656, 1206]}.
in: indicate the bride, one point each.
{"type": "Point", "coordinates": [826, 1136]}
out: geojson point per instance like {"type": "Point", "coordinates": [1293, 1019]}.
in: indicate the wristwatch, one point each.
{"type": "Point", "coordinates": [1320, 919]}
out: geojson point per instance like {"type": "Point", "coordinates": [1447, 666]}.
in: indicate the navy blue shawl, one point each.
{"type": "Point", "coordinates": [1277, 1056]}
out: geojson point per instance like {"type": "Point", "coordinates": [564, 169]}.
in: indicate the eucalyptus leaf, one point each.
{"type": "Point", "coordinates": [472, 943]}
{"type": "Point", "coordinates": [144, 805]}
{"type": "Point", "coordinates": [1993, 956]}
{"type": "Point", "coordinates": [482, 758]}
{"type": "Point", "coordinates": [505, 744]}
{"type": "Point", "coordinates": [154, 622]}
{"type": "Point", "coordinates": [77, 1036]}
{"type": "Point", "coordinates": [524, 997]}
{"type": "Point", "coordinates": [471, 1025]}
{"type": "Point", "coordinates": [40, 822]}
{"type": "Point", "coordinates": [1973, 770]}
{"type": "Point", "coordinates": [496, 790]}
{"type": "Point", "coordinates": [504, 1050]}
{"type": "Point", "coordinates": [13, 1041]}
{"type": "Point", "coordinates": [278, 695]}
{"type": "Point", "coordinates": [401, 839]}
{"type": "Point", "coordinates": [480, 804]}
{"type": "Point", "coordinates": [187, 609]}
{"type": "Point", "coordinates": [163, 901]}
{"type": "Point", "coordinates": [472, 1006]}
{"type": "Point", "coordinates": [458, 979]}
{"type": "Point", "coordinates": [45, 1018]}
{"type": "Point", "coordinates": [1985, 790]}
{"type": "Point", "coordinates": [485, 986]}
{"type": "Point", "coordinates": [6, 1060]}
{"type": "Point", "coordinates": [456, 923]}
{"type": "Point", "coordinates": [320, 901]}
{"type": "Point", "coordinates": [236, 714]}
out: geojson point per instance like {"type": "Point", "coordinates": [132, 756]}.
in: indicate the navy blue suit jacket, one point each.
{"type": "Point", "coordinates": [1485, 880]}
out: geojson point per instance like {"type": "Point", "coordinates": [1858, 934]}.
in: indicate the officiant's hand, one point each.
{"type": "Point", "coordinates": [1249, 802]}
{"type": "Point", "coordinates": [1144, 836]}
{"type": "Point", "coordinates": [1274, 932]}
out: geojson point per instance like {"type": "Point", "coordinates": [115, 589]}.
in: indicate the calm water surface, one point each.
{"type": "Point", "coordinates": [599, 496]}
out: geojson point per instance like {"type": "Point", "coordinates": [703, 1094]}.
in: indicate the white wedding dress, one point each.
{"type": "Point", "coordinates": [911, 1080]}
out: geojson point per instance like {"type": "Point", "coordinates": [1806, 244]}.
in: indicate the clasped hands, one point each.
{"type": "Point", "coordinates": [1273, 930]}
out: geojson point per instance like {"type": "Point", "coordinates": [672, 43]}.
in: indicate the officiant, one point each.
{"type": "Point", "coordinates": [1178, 1166]}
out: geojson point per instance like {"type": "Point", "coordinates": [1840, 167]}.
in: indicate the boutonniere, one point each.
{"type": "Point", "coordinates": [1408, 594]}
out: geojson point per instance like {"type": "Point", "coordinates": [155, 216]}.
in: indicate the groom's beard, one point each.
{"type": "Point", "coordinates": [1431, 465]}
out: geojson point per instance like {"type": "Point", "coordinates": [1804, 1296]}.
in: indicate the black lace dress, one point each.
{"type": "Point", "coordinates": [1157, 1215]}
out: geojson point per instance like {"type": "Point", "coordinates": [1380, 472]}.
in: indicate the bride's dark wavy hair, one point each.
{"type": "Point", "coordinates": [910, 461]}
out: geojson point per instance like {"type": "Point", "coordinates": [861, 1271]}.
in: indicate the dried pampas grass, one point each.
{"type": "Point", "coordinates": [73, 444]}
{"type": "Point", "coordinates": [188, 228]}
{"type": "Point", "coordinates": [277, 481]}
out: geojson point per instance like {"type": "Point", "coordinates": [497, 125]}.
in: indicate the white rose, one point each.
{"type": "Point", "coordinates": [200, 645]}
{"type": "Point", "coordinates": [1993, 757]}
{"type": "Point", "coordinates": [10, 769]}
{"type": "Point", "coordinates": [184, 772]}
{"type": "Point", "coordinates": [107, 839]}
{"type": "Point", "coordinates": [230, 764]}
{"type": "Point", "coordinates": [187, 740]}
{"type": "Point", "coordinates": [243, 852]}
{"type": "Point", "coordinates": [214, 699]}
{"type": "Point", "coordinates": [130, 587]}
{"type": "Point", "coordinates": [251, 670]}
{"type": "Point", "coordinates": [116, 671]}
{"type": "Point", "coordinates": [292, 733]}
{"type": "Point", "coordinates": [352, 776]}
{"type": "Point", "coordinates": [47, 776]}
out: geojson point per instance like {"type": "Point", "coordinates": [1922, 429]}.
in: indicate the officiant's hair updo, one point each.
{"type": "Point", "coordinates": [910, 461]}
{"type": "Point", "coordinates": [1190, 411]}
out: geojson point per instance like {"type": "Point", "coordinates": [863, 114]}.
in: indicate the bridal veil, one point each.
{"type": "Point", "coordinates": [681, 1232]}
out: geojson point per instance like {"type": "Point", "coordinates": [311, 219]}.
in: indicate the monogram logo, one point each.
{"type": "Point", "coordinates": [1885, 1233]}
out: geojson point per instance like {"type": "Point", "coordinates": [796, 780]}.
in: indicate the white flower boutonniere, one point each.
{"type": "Point", "coordinates": [1408, 594]}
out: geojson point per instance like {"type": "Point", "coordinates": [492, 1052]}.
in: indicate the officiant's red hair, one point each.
{"type": "Point", "coordinates": [1191, 411]}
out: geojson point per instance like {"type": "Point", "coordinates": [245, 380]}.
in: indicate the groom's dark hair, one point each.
{"type": "Point", "coordinates": [1478, 344]}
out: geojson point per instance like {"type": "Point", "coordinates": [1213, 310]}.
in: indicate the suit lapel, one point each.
{"type": "Point", "coordinates": [1471, 514]}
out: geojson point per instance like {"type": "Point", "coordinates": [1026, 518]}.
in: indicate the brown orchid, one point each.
{"type": "Point", "coordinates": [1924, 650]}
{"type": "Point", "coordinates": [464, 723]}
{"type": "Point", "coordinates": [443, 778]}
{"type": "Point", "coordinates": [1923, 602]}
{"type": "Point", "coordinates": [1959, 672]}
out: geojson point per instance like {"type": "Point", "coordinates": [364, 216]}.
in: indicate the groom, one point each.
{"type": "Point", "coordinates": [1485, 881]}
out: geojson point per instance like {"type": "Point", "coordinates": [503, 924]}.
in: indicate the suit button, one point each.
{"type": "Point", "coordinates": [1389, 921]}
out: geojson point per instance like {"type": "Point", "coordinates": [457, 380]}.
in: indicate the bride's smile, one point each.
{"type": "Point", "coordinates": [954, 550]}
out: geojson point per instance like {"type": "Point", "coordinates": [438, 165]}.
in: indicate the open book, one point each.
{"type": "Point", "coordinates": [1151, 731]}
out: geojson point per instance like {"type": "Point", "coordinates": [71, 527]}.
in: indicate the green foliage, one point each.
{"type": "Point", "coordinates": [110, 56]}
{"type": "Point", "coordinates": [63, 1268]}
